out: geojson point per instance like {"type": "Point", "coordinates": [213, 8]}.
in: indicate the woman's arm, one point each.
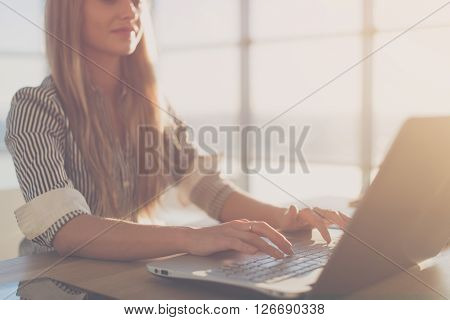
{"type": "Point", "coordinates": [241, 206]}
{"type": "Point", "coordinates": [238, 205]}
{"type": "Point", "coordinates": [100, 238]}
{"type": "Point", "coordinates": [94, 237]}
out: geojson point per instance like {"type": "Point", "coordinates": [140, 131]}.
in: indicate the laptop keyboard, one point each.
{"type": "Point", "coordinates": [268, 269]}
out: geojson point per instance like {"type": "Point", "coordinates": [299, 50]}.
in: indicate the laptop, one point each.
{"type": "Point", "coordinates": [402, 220]}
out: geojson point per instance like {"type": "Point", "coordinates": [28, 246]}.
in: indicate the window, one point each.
{"type": "Point", "coordinates": [411, 75]}
{"type": "Point", "coordinates": [199, 58]}
{"type": "Point", "coordinates": [297, 46]}
{"type": "Point", "coordinates": [294, 47]}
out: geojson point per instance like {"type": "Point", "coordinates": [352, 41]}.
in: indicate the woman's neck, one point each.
{"type": "Point", "coordinates": [105, 73]}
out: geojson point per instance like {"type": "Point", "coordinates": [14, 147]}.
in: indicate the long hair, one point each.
{"type": "Point", "coordinates": [102, 133]}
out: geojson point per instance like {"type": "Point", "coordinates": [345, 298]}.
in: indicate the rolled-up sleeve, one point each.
{"type": "Point", "coordinates": [38, 215]}
{"type": "Point", "coordinates": [210, 194]}
{"type": "Point", "coordinates": [35, 137]}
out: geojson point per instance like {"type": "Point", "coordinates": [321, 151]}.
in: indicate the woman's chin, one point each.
{"type": "Point", "coordinates": [125, 51]}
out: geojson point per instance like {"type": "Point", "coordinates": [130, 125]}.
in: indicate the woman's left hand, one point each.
{"type": "Point", "coordinates": [309, 218]}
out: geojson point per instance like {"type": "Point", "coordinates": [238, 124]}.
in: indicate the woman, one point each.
{"type": "Point", "coordinates": [75, 145]}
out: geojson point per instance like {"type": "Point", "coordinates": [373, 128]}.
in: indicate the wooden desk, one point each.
{"type": "Point", "coordinates": [132, 281]}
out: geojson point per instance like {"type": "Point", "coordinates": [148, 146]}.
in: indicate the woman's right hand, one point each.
{"type": "Point", "coordinates": [241, 235]}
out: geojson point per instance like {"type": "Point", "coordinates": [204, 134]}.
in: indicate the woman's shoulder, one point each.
{"type": "Point", "coordinates": [40, 98]}
{"type": "Point", "coordinates": [34, 103]}
{"type": "Point", "coordinates": [43, 93]}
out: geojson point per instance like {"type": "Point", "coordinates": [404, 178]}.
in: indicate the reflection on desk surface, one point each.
{"type": "Point", "coordinates": [45, 289]}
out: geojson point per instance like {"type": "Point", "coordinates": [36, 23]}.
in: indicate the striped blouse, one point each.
{"type": "Point", "coordinates": [52, 174]}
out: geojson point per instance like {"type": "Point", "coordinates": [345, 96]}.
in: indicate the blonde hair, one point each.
{"type": "Point", "coordinates": [97, 141]}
